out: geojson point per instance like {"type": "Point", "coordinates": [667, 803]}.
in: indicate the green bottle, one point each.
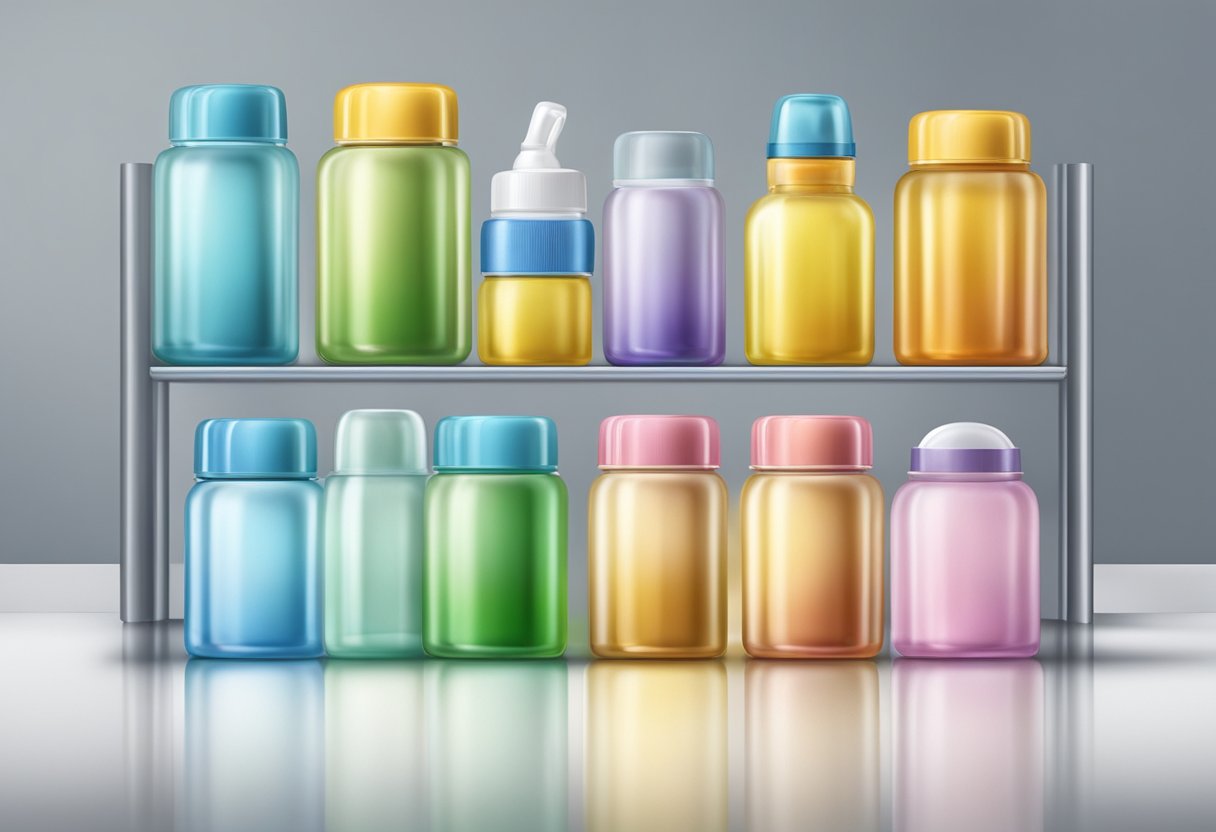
{"type": "Point", "coordinates": [393, 273]}
{"type": "Point", "coordinates": [374, 536]}
{"type": "Point", "coordinates": [495, 540]}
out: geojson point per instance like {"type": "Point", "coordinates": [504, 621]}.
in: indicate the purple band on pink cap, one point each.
{"type": "Point", "coordinates": [967, 460]}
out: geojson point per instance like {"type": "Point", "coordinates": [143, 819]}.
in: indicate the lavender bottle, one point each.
{"type": "Point", "coordinates": [663, 274]}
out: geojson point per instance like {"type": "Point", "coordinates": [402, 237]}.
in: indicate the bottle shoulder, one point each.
{"type": "Point", "coordinates": [763, 483]}
{"type": "Point", "coordinates": [824, 204]}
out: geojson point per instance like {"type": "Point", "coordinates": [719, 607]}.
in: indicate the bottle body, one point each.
{"type": "Point", "coordinates": [664, 285]}
{"type": "Point", "coordinates": [965, 567]}
{"type": "Point", "coordinates": [812, 564]}
{"type": "Point", "coordinates": [495, 565]}
{"type": "Point", "coordinates": [393, 259]}
{"type": "Point", "coordinates": [971, 266]}
{"type": "Point", "coordinates": [226, 251]}
{"type": "Point", "coordinates": [534, 320]}
{"type": "Point", "coordinates": [657, 564]}
{"type": "Point", "coordinates": [374, 542]}
{"type": "Point", "coordinates": [252, 563]}
{"type": "Point", "coordinates": [809, 272]}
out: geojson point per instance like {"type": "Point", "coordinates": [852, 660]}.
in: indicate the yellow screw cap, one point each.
{"type": "Point", "coordinates": [962, 136]}
{"type": "Point", "coordinates": [396, 113]}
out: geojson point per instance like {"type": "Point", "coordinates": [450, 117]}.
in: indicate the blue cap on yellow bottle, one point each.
{"type": "Point", "coordinates": [811, 125]}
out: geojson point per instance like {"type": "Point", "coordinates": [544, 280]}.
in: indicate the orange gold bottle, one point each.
{"type": "Point", "coordinates": [657, 540]}
{"type": "Point", "coordinates": [970, 243]}
{"type": "Point", "coordinates": [812, 540]}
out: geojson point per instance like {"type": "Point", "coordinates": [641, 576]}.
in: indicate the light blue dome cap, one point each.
{"type": "Point", "coordinates": [255, 449]}
{"type": "Point", "coordinates": [496, 443]}
{"type": "Point", "coordinates": [228, 112]}
{"type": "Point", "coordinates": [811, 125]}
{"type": "Point", "coordinates": [663, 154]}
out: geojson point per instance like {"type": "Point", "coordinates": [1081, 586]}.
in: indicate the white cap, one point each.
{"type": "Point", "coordinates": [537, 183]}
{"type": "Point", "coordinates": [966, 435]}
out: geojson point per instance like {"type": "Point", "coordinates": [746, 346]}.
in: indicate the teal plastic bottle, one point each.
{"type": "Point", "coordinates": [374, 536]}
{"type": "Point", "coordinates": [495, 540]}
{"type": "Point", "coordinates": [227, 207]}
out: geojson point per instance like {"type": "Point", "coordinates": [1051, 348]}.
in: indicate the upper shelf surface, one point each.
{"type": "Point", "coordinates": [601, 373]}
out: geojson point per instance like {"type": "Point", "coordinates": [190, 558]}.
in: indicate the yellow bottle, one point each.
{"type": "Point", "coordinates": [657, 540]}
{"type": "Point", "coordinates": [970, 243]}
{"type": "Point", "coordinates": [809, 245]}
{"type": "Point", "coordinates": [537, 254]}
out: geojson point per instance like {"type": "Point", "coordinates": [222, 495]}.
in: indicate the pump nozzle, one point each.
{"type": "Point", "coordinates": [538, 149]}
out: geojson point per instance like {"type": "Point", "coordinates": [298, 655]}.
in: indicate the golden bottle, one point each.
{"type": "Point", "coordinates": [812, 523]}
{"type": "Point", "coordinates": [657, 540]}
{"type": "Point", "coordinates": [970, 243]}
{"type": "Point", "coordinates": [809, 243]}
{"type": "Point", "coordinates": [537, 254]}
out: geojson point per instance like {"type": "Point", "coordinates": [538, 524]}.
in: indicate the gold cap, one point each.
{"type": "Point", "coordinates": [396, 113]}
{"type": "Point", "coordinates": [963, 136]}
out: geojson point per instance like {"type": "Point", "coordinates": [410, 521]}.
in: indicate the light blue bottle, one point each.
{"type": "Point", "coordinates": [374, 537]}
{"type": "Point", "coordinates": [227, 208]}
{"type": "Point", "coordinates": [253, 523]}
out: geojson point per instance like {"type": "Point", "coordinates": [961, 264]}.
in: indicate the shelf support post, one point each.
{"type": "Point", "coordinates": [143, 561]}
{"type": "Point", "coordinates": [1074, 270]}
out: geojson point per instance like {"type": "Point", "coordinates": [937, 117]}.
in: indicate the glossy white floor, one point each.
{"type": "Point", "coordinates": [106, 728]}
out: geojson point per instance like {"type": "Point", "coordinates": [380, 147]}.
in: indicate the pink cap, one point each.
{"type": "Point", "coordinates": [812, 442]}
{"type": "Point", "coordinates": [659, 442]}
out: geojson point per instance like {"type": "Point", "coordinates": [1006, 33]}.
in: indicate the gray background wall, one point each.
{"type": "Point", "coordinates": [1124, 85]}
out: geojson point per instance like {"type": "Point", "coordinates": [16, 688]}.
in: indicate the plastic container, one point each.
{"type": "Point", "coordinates": [374, 536]}
{"type": "Point", "coordinates": [808, 267]}
{"type": "Point", "coordinates": [965, 549]}
{"type": "Point", "coordinates": [227, 214]}
{"type": "Point", "coordinates": [496, 540]}
{"type": "Point", "coordinates": [812, 527]}
{"type": "Point", "coordinates": [393, 273]}
{"type": "Point", "coordinates": [537, 253]}
{"type": "Point", "coordinates": [663, 264]}
{"type": "Point", "coordinates": [970, 243]}
{"type": "Point", "coordinates": [656, 545]}
{"type": "Point", "coordinates": [253, 523]}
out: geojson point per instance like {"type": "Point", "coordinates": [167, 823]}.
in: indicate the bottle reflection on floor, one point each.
{"type": "Point", "coordinates": [375, 768]}
{"type": "Point", "coordinates": [968, 745]}
{"type": "Point", "coordinates": [253, 749]}
{"type": "Point", "coordinates": [498, 745]}
{"type": "Point", "coordinates": [656, 749]}
{"type": "Point", "coordinates": [812, 746]}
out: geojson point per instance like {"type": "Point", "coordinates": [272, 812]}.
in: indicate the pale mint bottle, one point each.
{"type": "Point", "coordinates": [374, 536]}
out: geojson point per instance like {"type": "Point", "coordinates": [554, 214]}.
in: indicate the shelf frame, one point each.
{"type": "Point", "coordinates": [144, 409]}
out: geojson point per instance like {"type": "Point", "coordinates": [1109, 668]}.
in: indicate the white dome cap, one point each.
{"type": "Point", "coordinates": [966, 435]}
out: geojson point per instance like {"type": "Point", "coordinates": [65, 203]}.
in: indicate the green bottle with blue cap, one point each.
{"type": "Point", "coordinates": [495, 540]}
{"type": "Point", "coordinates": [809, 243]}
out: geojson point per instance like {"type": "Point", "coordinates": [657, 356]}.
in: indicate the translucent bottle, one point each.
{"type": "Point", "coordinates": [374, 536]}
{"type": "Point", "coordinates": [537, 253]}
{"type": "Point", "coordinates": [253, 523]}
{"type": "Point", "coordinates": [663, 264]}
{"type": "Point", "coordinates": [393, 274]}
{"type": "Point", "coordinates": [227, 213]}
{"type": "Point", "coordinates": [970, 243]}
{"type": "Point", "coordinates": [808, 264]}
{"type": "Point", "coordinates": [965, 549]}
{"type": "Point", "coordinates": [656, 546]}
{"type": "Point", "coordinates": [812, 524]}
{"type": "Point", "coordinates": [495, 540]}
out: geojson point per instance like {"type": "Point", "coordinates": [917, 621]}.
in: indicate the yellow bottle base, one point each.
{"type": "Point", "coordinates": [534, 321]}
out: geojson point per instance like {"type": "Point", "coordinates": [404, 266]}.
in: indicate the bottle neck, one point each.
{"type": "Point", "coordinates": [969, 166]}
{"type": "Point", "coordinates": [225, 143]}
{"type": "Point", "coordinates": [970, 476]}
{"type": "Point", "coordinates": [809, 469]}
{"type": "Point", "coordinates": [822, 175]}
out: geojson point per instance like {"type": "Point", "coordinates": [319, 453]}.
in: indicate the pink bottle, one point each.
{"type": "Point", "coordinates": [965, 549]}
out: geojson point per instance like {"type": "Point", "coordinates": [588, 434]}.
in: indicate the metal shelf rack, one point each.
{"type": "Point", "coordinates": [144, 549]}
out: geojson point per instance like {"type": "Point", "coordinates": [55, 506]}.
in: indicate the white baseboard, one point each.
{"type": "Point", "coordinates": [93, 587]}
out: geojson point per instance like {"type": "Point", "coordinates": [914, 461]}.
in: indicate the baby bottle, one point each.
{"type": "Point", "coordinates": [393, 276]}
{"type": "Point", "coordinates": [227, 214]}
{"type": "Point", "coordinates": [537, 254]}
{"type": "Point", "coordinates": [657, 540]}
{"type": "Point", "coordinates": [965, 549]}
{"type": "Point", "coordinates": [812, 523]}
{"type": "Point", "coordinates": [253, 523]}
{"type": "Point", "coordinates": [808, 268]}
{"type": "Point", "coordinates": [970, 243]}
{"type": "Point", "coordinates": [495, 540]}
{"type": "Point", "coordinates": [374, 535]}
{"type": "Point", "coordinates": [663, 263]}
